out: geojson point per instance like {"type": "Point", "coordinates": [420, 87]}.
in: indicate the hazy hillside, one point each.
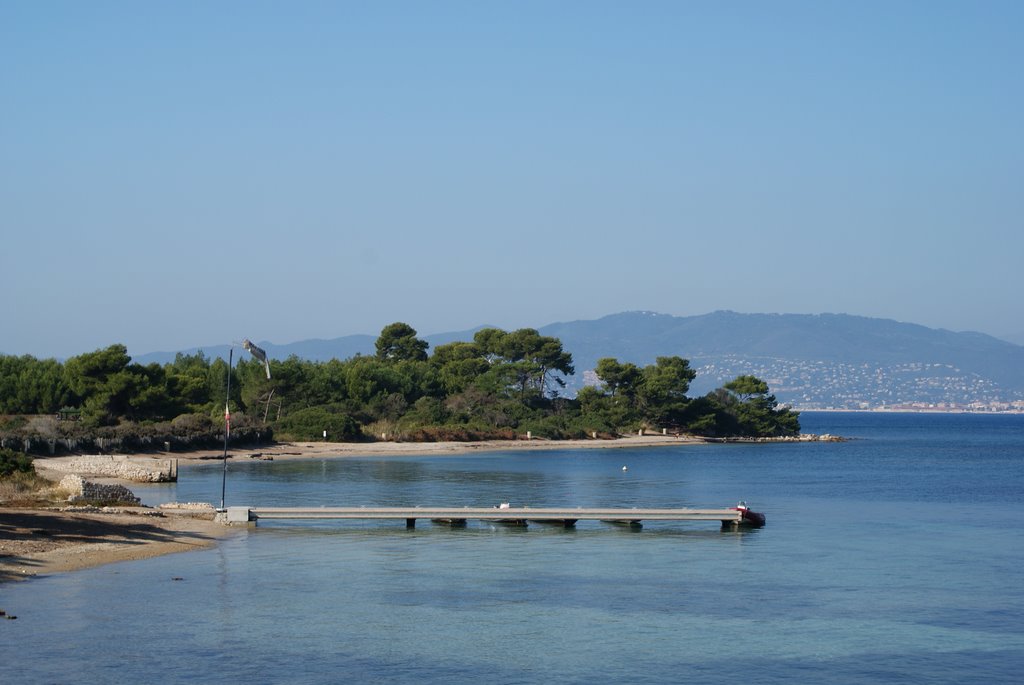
{"type": "Point", "coordinates": [313, 349]}
{"type": "Point", "coordinates": [813, 360]}
{"type": "Point", "coordinates": [823, 360]}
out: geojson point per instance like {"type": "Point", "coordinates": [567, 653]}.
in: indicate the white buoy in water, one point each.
{"type": "Point", "coordinates": [625, 469]}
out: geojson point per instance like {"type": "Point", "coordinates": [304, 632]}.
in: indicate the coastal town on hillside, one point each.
{"type": "Point", "coordinates": [822, 385]}
{"type": "Point", "coordinates": [918, 386]}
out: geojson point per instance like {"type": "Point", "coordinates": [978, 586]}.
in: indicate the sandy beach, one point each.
{"type": "Point", "coordinates": [324, 450]}
{"type": "Point", "coordinates": [44, 541]}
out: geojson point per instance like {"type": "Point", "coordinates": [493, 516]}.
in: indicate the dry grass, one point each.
{"type": "Point", "coordinates": [28, 490]}
{"type": "Point", "coordinates": [377, 429]}
{"type": "Point", "coordinates": [44, 425]}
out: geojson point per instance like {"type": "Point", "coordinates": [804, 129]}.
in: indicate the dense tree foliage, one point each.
{"type": "Point", "coordinates": [501, 383]}
{"type": "Point", "coordinates": [398, 342]}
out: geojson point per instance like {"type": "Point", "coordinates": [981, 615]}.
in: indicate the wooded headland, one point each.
{"type": "Point", "coordinates": [499, 385]}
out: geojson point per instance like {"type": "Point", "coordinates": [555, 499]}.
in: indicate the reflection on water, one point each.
{"type": "Point", "coordinates": [478, 480]}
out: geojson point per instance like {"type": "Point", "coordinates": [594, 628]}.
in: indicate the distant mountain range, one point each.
{"type": "Point", "coordinates": [809, 360]}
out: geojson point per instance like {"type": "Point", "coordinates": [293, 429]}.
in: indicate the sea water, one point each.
{"type": "Point", "coordinates": [895, 557]}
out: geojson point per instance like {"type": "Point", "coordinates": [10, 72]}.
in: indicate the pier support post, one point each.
{"type": "Point", "coordinates": [236, 516]}
{"type": "Point", "coordinates": [410, 523]}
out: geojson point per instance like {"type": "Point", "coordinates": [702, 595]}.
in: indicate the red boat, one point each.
{"type": "Point", "coordinates": [748, 518]}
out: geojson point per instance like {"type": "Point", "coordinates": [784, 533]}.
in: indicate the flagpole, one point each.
{"type": "Point", "coordinates": [227, 431]}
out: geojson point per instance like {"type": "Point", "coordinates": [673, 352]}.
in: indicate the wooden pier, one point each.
{"type": "Point", "coordinates": [458, 515]}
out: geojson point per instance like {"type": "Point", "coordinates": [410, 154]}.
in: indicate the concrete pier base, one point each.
{"type": "Point", "coordinates": [237, 516]}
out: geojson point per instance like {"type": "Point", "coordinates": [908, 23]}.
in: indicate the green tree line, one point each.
{"type": "Point", "coordinates": [499, 384]}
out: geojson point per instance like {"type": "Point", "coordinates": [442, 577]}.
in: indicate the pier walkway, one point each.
{"type": "Point", "coordinates": [459, 515]}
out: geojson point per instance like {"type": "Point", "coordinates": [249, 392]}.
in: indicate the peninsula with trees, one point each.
{"type": "Point", "coordinates": [499, 385]}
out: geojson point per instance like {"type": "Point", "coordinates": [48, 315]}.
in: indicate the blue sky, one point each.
{"type": "Point", "coordinates": [191, 173]}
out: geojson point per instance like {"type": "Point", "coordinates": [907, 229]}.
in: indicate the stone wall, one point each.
{"type": "Point", "coordinates": [81, 490]}
{"type": "Point", "coordinates": [138, 470]}
{"type": "Point", "coordinates": [200, 510]}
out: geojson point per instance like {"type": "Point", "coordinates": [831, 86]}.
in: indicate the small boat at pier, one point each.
{"type": "Point", "coordinates": [748, 518]}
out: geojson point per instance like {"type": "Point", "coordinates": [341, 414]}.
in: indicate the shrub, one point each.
{"type": "Point", "coordinates": [14, 462]}
{"type": "Point", "coordinates": [456, 434]}
{"type": "Point", "coordinates": [310, 424]}
{"type": "Point", "coordinates": [187, 424]}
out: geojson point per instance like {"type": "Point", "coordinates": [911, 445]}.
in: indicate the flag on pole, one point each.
{"type": "Point", "coordinates": [227, 418]}
{"type": "Point", "coordinates": [259, 353]}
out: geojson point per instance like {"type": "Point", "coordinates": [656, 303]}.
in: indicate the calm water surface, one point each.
{"type": "Point", "coordinates": [893, 558]}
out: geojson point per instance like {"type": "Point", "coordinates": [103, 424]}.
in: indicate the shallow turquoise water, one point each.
{"type": "Point", "coordinates": [892, 558]}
